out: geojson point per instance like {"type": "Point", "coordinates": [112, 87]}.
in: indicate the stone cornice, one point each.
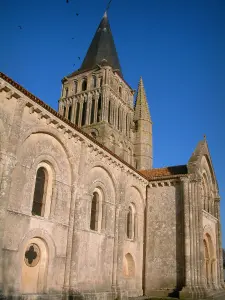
{"type": "Point", "coordinates": [209, 216]}
{"type": "Point", "coordinates": [65, 126]}
{"type": "Point", "coordinates": [164, 183]}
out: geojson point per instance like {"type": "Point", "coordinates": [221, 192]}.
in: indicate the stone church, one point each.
{"type": "Point", "coordinates": [82, 212]}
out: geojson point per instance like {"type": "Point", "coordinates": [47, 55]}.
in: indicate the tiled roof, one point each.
{"type": "Point", "coordinates": [174, 171]}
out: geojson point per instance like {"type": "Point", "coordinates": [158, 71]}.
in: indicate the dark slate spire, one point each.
{"type": "Point", "coordinates": [102, 49]}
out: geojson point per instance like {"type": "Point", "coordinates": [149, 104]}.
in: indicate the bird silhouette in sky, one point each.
{"type": "Point", "coordinates": [77, 14]}
{"type": "Point", "coordinates": [72, 38]}
{"type": "Point", "coordinates": [20, 27]}
{"type": "Point", "coordinates": [67, 1]}
{"type": "Point", "coordinates": [74, 65]}
{"type": "Point", "coordinates": [78, 57]}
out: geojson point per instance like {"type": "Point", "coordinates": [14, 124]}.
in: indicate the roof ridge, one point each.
{"type": "Point", "coordinates": [74, 126]}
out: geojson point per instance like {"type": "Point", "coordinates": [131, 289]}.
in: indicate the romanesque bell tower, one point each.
{"type": "Point", "coordinates": [97, 98]}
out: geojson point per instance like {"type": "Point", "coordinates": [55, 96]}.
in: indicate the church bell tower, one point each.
{"type": "Point", "coordinates": [97, 98]}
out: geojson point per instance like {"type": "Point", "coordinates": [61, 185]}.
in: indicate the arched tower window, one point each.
{"type": "Point", "coordinates": [118, 121]}
{"type": "Point", "coordinates": [70, 113]}
{"type": "Point", "coordinates": [94, 81]}
{"type": "Point", "coordinates": [94, 211]}
{"type": "Point", "coordinates": [131, 222]}
{"type": "Point", "coordinates": [92, 111]}
{"type": "Point", "coordinates": [84, 112]}
{"type": "Point", "coordinates": [64, 111]}
{"type": "Point", "coordinates": [84, 84]}
{"type": "Point", "coordinates": [77, 113]}
{"type": "Point", "coordinates": [75, 86]}
{"type": "Point", "coordinates": [120, 91]}
{"type": "Point", "coordinates": [126, 124]}
{"type": "Point", "coordinates": [109, 112]}
{"type": "Point", "coordinates": [66, 92]}
{"type": "Point", "coordinates": [99, 108]}
{"type": "Point", "coordinates": [40, 192]}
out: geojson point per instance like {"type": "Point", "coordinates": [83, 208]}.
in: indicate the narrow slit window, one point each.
{"type": "Point", "coordinates": [94, 212]}
{"type": "Point", "coordinates": [94, 81]}
{"type": "Point", "coordinates": [84, 113]}
{"type": "Point", "coordinates": [77, 113]}
{"type": "Point", "coordinates": [84, 84]}
{"type": "Point", "coordinates": [99, 108]}
{"type": "Point", "coordinates": [92, 111]}
{"type": "Point", "coordinates": [109, 112]}
{"type": "Point", "coordinates": [40, 192]}
{"type": "Point", "coordinates": [118, 121]}
{"type": "Point", "coordinates": [70, 113]}
{"type": "Point", "coordinates": [66, 92]}
{"type": "Point", "coordinates": [75, 86]}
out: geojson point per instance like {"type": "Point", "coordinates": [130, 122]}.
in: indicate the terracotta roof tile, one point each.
{"type": "Point", "coordinates": [165, 172]}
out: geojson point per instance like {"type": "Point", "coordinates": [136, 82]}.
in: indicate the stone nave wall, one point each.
{"type": "Point", "coordinates": [70, 255]}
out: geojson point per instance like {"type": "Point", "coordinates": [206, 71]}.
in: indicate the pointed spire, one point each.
{"type": "Point", "coordinates": [102, 48]}
{"type": "Point", "coordinates": [141, 106]}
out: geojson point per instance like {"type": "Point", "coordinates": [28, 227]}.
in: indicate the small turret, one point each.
{"type": "Point", "coordinates": [143, 130]}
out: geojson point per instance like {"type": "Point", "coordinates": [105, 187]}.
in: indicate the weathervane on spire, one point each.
{"type": "Point", "coordinates": [204, 137]}
{"type": "Point", "coordinates": [108, 5]}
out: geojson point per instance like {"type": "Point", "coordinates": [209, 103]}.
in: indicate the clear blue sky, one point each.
{"type": "Point", "coordinates": [177, 46]}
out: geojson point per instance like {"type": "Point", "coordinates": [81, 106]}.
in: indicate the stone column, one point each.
{"type": "Point", "coordinates": [88, 116]}
{"type": "Point", "coordinates": [96, 107]}
{"type": "Point", "coordinates": [219, 246]}
{"type": "Point", "coordinates": [80, 112]}
{"type": "Point", "coordinates": [187, 290]}
{"type": "Point", "coordinates": [115, 249]}
{"type": "Point", "coordinates": [73, 110]}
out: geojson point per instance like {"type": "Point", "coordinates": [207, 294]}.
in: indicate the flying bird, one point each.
{"type": "Point", "coordinates": [74, 65]}
{"type": "Point", "coordinates": [20, 27]}
{"type": "Point", "coordinates": [72, 38]}
{"type": "Point", "coordinates": [77, 14]}
{"type": "Point", "coordinates": [78, 57]}
{"type": "Point", "coordinates": [67, 1]}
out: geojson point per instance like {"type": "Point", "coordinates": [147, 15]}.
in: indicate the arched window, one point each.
{"type": "Point", "coordinates": [84, 85]}
{"type": "Point", "coordinates": [66, 91]}
{"type": "Point", "coordinates": [120, 91]}
{"type": "Point", "coordinates": [94, 212]}
{"type": "Point", "coordinates": [92, 111]}
{"type": "Point", "coordinates": [126, 124]}
{"type": "Point", "coordinates": [75, 86]}
{"type": "Point", "coordinates": [94, 81]}
{"type": "Point", "coordinates": [131, 222]}
{"type": "Point", "coordinates": [84, 112]}
{"type": "Point", "coordinates": [77, 113]}
{"type": "Point", "coordinates": [70, 113]}
{"type": "Point", "coordinates": [118, 117]}
{"type": "Point", "coordinates": [40, 192]}
{"type": "Point", "coordinates": [128, 266]}
{"type": "Point", "coordinates": [64, 111]}
{"type": "Point", "coordinates": [99, 108]}
{"type": "Point", "coordinates": [109, 112]}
